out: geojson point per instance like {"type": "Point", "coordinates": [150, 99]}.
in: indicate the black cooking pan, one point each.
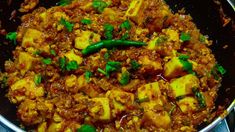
{"type": "Point", "coordinates": [205, 14]}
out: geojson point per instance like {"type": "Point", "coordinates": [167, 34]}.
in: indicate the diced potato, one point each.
{"type": "Point", "coordinates": [183, 85]}
{"type": "Point", "coordinates": [136, 11]}
{"type": "Point", "coordinates": [57, 118]}
{"type": "Point", "coordinates": [173, 68]}
{"type": "Point", "coordinates": [187, 104]}
{"type": "Point", "coordinates": [70, 81]}
{"type": "Point", "coordinates": [149, 91]}
{"type": "Point", "coordinates": [81, 81]}
{"type": "Point", "coordinates": [42, 127]}
{"type": "Point", "coordinates": [59, 15]}
{"type": "Point", "coordinates": [101, 108]}
{"type": "Point", "coordinates": [152, 105]}
{"type": "Point", "coordinates": [25, 62]}
{"type": "Point", "coordinates": [145, 61]}
{"type": "Point", "coordinates": [85, 38]}
{"type": "Point", "coordinates": [119, 99]}
{"type": "Point", "coordinates": [54, 127]}
{"type": "Point", "coordinates": [173, 35]}
{"type": "Point", "coordinates": [73, 57]}
{"type": "Point", "coordinates": [152, 43]}
{"type": "Point", "coordinates": [159, 120]}
{"type": "Point", "coordinates": [27, 88]}
{"type": "Point", "coordinates": [31, 36]}
{"type": "Point", "coordinates": [110, 13]}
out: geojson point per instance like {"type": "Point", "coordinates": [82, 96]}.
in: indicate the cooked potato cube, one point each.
{"type": "Point", "coordinates": [42, 127]}
{"type": "Point", "coordinates": [149, 91]}
{"type": "Point", "coordinates": [173, 35]}
{"type": "Point", "coordinates": [146, 62]}
{"type": "Point", "coordinates": [31, 36]}
{"type": "Point", "coordinates": [188, 104]}
{"type": "Point", "coordinates": [54, 127]}
{"type": "Point", "coordinates": [70, 81]}
{"type": "Point", "coordinates": [136, 10]}
{"type": "Point", "coordinates": [85, 38]}
{"type": "Point", "coordinates": [73, 57]}
{"type": "Point", "coordinates": [25, 62]}
{"type": "Point", "coordinates": [173, 68]}
{"type": "Point", "coordinates": [183, 85]}
{"type": "Point", "coordinates": [101, 108]}
{"type": "Point", "coordinates": [159, 120]}
{"type": "Point", "coordinates": [27, 88]}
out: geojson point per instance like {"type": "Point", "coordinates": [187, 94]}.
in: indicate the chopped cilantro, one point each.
{"type": "Point", "coordinates": [72, 65]}
{"type": "Point", "coordinates": [125, 36]}
{"type": "Point", "coordinates": [216, 70]}
{"type": "Point", "coordinates": [38, 52]}
{"type": "Point", "coordinates": [53, 52]}
{"type": "Point", "coordinates": [12, 37]}
{"type": "Point", "coordinates": [102, 71]}
{"type": "Point", "coordinates": [99, 5]}
{"type": "Point", "coordinates": [160, 40]}
{"type": "Point", "coordinates": [47, 61]}
{"type": "Point", "coordinates": [3, 81]}
{"type": "Point", "coordinates": [112, 66]}
{"type": "Point", "coordinates": [185, 37]}
{"type": "Point", "coordinates": [64, 2]}
{"type": "Point", "coordinates": [88, 75]}
{"type": "Point", "coordinates": [68, 25]}
{"type": "Point", "coordinates": [62, 63]}
{"type": "Point", "coordinates": [187, 66]}
{"type": "Point", "coordinates": [202, 38]}
{"type": "Point", "coordinates": [106, 56]}
{"type": "Point", "coordinates": [125, 78]}
{"type": "Point", "coordinates": [135, 65]}
{"type": "Point", "coordinates": [220, 69]}
{"type": "Point", "coordinates": [108, 31]}
{"type": "Point", "coordinates": [200, 97]}
{"type": "Point", "coordinates": [86, 128]}
{"type": "Point", "coordinates": [125, 25]}
{"type": "Point", "coordinates": [37, 79]}
{"type": "Point", "coordinates": [86, 21]}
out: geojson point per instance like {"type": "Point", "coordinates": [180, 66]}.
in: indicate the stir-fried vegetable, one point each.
{"type": "Point", "coordinates": [86, 21]}
{"type": "Point", "coordinates": [135, 65]}
{"type": "Point", "coordinates": [37, 79]}
{"type": "Point", "coordinates": [125, 25]}
{"type": "Point", "coordinates": [72, 65]}
{"type": "Point", "coordinates": [200, 97]}
{"type": "Point", "coordinates": [53, 52]}
{"type": "Point", "coordinates": [110, 44]}
{"type": "Point", "coordinates": [47, 61]}
{"type": "Point", "coordinates": [99, 5]}
{"type": "Point", "coordinates": [12, 37]}
{"type": "Point", "coordinates": [88, 75]}
{"type": "Point", "coordinates": [108, 31]}
{"type": "Point", "coordinates": [125, 77]}
{"type": "Point", "coordinates": [67, 24]}
{"type": "Point", "coordinates": [185, 37]}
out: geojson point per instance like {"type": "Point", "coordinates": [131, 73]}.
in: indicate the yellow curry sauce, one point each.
{"type": "Point", "coordinates": [167, 84]}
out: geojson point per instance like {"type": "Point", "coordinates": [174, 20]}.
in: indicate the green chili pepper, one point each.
{"type": "Point", "coordinates": [110, 44]}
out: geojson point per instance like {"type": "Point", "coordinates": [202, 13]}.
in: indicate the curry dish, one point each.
{"type": "Point", "coordinates": [112, 65]}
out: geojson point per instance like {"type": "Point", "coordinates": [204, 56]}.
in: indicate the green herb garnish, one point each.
{"type": "Point", "coordinates": [102, 71]}
{"type": "Point", "coordinates": [12, 37]}
{"type": "Point", "coordinates": [106, 56]}
{"type": "Point", "coordinates": [4, 82]}
{"type": "Point", "coordinates": [86, 21]}
{"type": "Point", "coordinates": [67, 24]}
{"type": "Point", "coordinates": [160, 40]}
{"type": "Point", "coordinates": [64, 2]}
{"type": "Point", "coordinates": [135, 65]}
{"type": "Point", "coordinates": [37, 79]}
{"type": "Point", "coordinates": [202, 38]}
{"type": "Point", "coordinates": [108, 31]}
{"type": "Point", "coordinates": [200, 97]}
{"type": "Point", "coordinates": [88, 75]}
{"type": "Point", "coordinates": [125, 36]}
{"type": "Point", "coordinates": [125, 25]}
{"type": "Point", "coordinates": [62, 63]}
{"type": "Point", "coordinates": [220, 69]}
{"type": "Point", "coordinates": [99, 5]}
{"type": "Point", "coordinates": [53, 52]}
{"type": "Point", "coordinates": [185, 37]}
{"type": "Point", "coordinates": [112, 66]}
{"type": "Point", "coordinates": [38, 52]}
{"type": "Point", "coordinates": [125, 78]}
{"type": "Point", "coordinates": [86, 128]}
{"type": "Point", "coordinates": [187, 66]}
{"type": "Point", "coordinates": [47, 61]}
{"type": "Point", "coordinates": [72, 65]}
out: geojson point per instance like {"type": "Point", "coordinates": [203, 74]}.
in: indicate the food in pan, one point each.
{"type": "Point", "coordinates": [111, 65]}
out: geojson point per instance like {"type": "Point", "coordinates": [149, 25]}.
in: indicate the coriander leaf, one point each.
{"type": "Point", "coordinates": [185, 37]}
{"type": "Point", "coordinates": [125, 36]}
{"type": "Point", "coordinates": [200, 97]}
{"type": "Point", "coordinates": [125, 77]}
{"type": "Point", "coordinates": [12, 37]}
{"type": "Point", "coordinates": [160, 40]}
{"type": "Point", "coordinates": [68, 25]}
{"type": "Point", "coordinates": [86, 128]}
{"type": "Point", "coordinates": [86, 21]}
{"type": "Point", "coordinates": [38, 52]}
{"type": "Point", "coordinates": [125, 25]}
{"type": "Point", "coordinates": [37, 79]}
{"type": "Point", "coordinates": [112, 66]}
{"type": "Point", "coordinates": [47, 61]}
{"type": "Point", "coordinates": [99, 5]}
{"type": "Point", "coordinates": [106, 56]}
{"type": "Point", "coordinates": [220, 69]}
{"type": "Point", "coordinates": [53, 52]}
{"type": "Point", "coordinates": [3, 82]}
{"type": "Point", "coordinates": [135, 65]}
{"type": "Point", "coordinates": [62, 63]}
{"type": "Point", "coordinates": [64, 2]}
{"type": "Point", "coordinates": [202, 38]}
{"type": "Point", "coordinates": [187, 66]}
{"type": "Point", "coordinates": [72, 65]}
{"type": "Point", "coordinates": [108, 31]}
{"type": "Point", "coordinates": [88, 75]}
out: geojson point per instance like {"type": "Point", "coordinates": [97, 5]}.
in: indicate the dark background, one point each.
{"type": "Point", "coordinates": [205, 14]}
